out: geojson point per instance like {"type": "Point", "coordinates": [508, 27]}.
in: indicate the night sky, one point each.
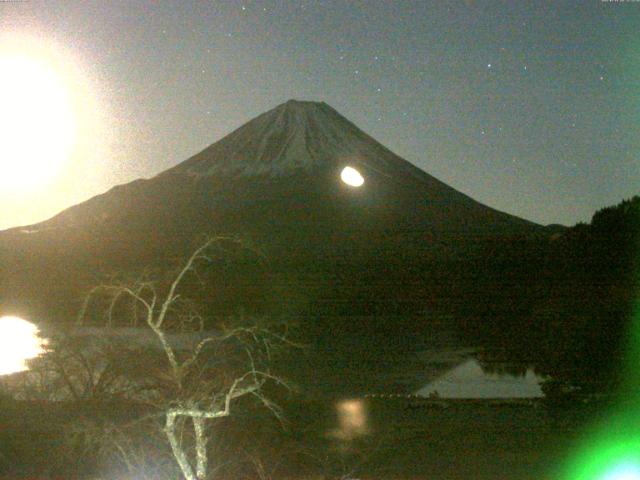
{"type": "Point", "coordinates": [529, 107]}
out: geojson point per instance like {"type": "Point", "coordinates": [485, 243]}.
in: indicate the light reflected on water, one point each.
{"type": "Point", "coordinates": [469, 380]}
{"type": "Point", "coordinates": [353, 419]}
{"type": "Point", "coordinates": [20, 341]}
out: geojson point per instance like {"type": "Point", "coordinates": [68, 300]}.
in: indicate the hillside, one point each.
{"type": "Point", "coordinates": [275, 183]}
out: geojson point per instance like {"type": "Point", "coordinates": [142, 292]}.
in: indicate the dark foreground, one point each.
{"type": "Point", "coordinates": [442, 440]}
{"type": "Point", "coordinates": [391, 438]}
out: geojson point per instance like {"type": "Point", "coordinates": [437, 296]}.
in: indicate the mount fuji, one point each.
{"type": "Point", "coordinates": [276, 183]}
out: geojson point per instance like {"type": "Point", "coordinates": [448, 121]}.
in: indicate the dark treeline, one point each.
{"type": "Point", "coordinates": [560, 299]}
{"type": "Point", "coordinates": [564, 304]}
{"type": "Point", "coordinates": [557, 298]}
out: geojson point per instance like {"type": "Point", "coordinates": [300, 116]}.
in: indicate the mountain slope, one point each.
{"type": "Point", "coordinates": [275, 182]}
{"type": "Point", "coordinates": [299, 142]}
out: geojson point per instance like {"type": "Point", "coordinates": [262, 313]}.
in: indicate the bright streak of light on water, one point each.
{"type": "Point", "coordinates": [20, 341]}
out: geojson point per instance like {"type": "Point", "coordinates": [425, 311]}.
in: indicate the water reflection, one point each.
{"type": "Point", "coordinates": [353, 419]}
{"type": "Point", "coordinates": [469, 380]}
{"type": "Point", "coordinates": [20, 341]}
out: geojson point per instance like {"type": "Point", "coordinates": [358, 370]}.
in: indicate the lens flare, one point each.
{"type": "Point", "coordinates": [623, 471]}
{"type": "Point", "coordinates": [19, 342]}
{"type": "Point", "coordinates": [610, 449]}
{"type": "Point", "coordinates": [352, 177]}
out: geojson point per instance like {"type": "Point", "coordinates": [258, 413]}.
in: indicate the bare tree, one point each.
{"type": "Point", "coordinates": [72, 370]}
{"type": "Point", "coordinates": [202, 374]}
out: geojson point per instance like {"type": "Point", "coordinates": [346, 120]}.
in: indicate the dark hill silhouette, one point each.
{"type": "Point", "coordinates": [274, 182]}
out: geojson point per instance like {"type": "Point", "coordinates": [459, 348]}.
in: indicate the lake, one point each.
{"type": "Point", "coordinates": [470, 380]}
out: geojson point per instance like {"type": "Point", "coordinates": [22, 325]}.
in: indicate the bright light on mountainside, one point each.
{"type": "Point", "coordinates": [352, 177]}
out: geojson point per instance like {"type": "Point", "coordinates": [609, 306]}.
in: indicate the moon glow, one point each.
{"type": "Point", "coordinates": [36, 123]}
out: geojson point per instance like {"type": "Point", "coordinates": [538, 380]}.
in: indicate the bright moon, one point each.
{"type": "Point", "coordinates": [19, 342]}
{"type": "Point", "coordinates": [352, 177]}
{"type": "Point", "coordinates": [36, 123]}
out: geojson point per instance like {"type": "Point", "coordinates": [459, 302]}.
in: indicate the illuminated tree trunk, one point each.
{"type": "Point", "coordinates": [176, 448]}
{"type": "Point", "coordinates": [195, 407]}
{"type": "Point", "coordinates": [201, 448]}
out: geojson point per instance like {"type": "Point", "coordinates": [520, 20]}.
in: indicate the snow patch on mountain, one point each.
{"type": "Point", "coordinates": [295, 136]}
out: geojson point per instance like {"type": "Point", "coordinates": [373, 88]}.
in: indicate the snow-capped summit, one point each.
{"type": "Point", "coordinates": [296, 136]}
